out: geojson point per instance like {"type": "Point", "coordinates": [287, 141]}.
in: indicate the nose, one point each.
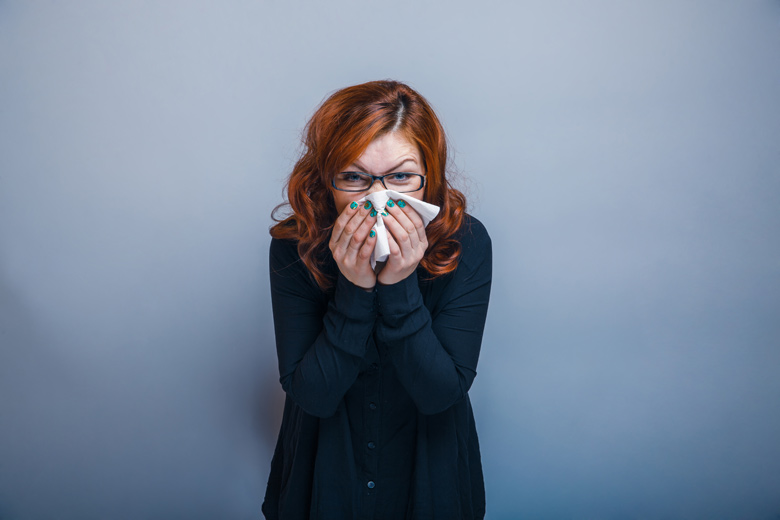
{"type": "Point", "coordinates": [376, 186]}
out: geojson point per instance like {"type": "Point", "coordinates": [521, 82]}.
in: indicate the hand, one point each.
{"type": "Point", "coordinates": [407, 239]}
{"type": "Point", "coordinates": [352, 243]}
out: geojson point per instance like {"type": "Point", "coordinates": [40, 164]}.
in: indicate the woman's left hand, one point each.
{"type": "Point", "coordinates": [407, 240]}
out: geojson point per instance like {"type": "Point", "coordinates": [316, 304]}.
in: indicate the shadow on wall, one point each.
{"type": "Point", "coordinates": [29, 372]}
{"type": "Point", "coordinates": [270, 406]}
{"type": "Point", "coordinates": [26, 356]}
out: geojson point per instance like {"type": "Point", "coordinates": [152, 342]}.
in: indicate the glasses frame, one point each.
{"type": "Point", "coordinates": [380, 178]}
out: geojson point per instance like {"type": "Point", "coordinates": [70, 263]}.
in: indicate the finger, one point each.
{"type": "Point", "coordinates": [352, 225]}
{"type": "Point", "coordinates": [364, 254]}
{"type": "Point", "coordinates": [395, 249]}
{"type": "Point", "coordinates": [406, 216]}
{"type": "Point", "coordinates": [361, 234]}
{"type": "Point", "coordinates": [338, 227]}
{"type": "Point", "coordinates": [406, 241]}
{"type": "Point", "coordinates": [416, 220]}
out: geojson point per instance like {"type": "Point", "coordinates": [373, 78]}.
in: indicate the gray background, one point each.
{"type": "Point", "coordinates": [623, 155]}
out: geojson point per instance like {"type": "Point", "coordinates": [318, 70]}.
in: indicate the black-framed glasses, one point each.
{"type": "Point", "coordinates": [401, 182]}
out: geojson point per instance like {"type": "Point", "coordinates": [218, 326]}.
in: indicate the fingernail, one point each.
{"type": "Point", "coordinates": [367, 205]}
{"type": "Point", "coordinates": [372, 234]}
{"type": "Point", "coordinates": [372, 214]}
{"type": "Point", "coordinates": [390, 203]}
{"type": "Point", "coordinates": [384, 213]}
{"type": "Point", "coordinates": [401, 203]}
{"type": "Point", "coordinates": [353, 205]}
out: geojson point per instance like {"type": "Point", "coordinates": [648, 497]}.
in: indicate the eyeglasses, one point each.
{"type": "Point", "coordinates": [401, 182]}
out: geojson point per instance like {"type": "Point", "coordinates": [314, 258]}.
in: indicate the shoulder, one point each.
{"type": "Point", "coordinates": [284, 258]}
{"type": "Point", "coordinates": [473, 231]}
{"type": "Point", "coordinates": [283, 250]}
{"type": "Point", "coordinates": [286, 265]}
{"type": "Point", "coordinates": [476, 246]}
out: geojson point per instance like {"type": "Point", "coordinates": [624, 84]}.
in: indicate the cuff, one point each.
{"type": "Point", "coordinates": [354, 302]}
{"type": "Point", "coordinates": [399, 299]}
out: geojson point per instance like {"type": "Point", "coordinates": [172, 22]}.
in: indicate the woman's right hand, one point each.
{"type": "Point", "coordinates": [352, 242]}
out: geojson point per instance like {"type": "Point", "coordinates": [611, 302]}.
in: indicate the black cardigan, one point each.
{"type": "Point", "coordinates": [377, 419]}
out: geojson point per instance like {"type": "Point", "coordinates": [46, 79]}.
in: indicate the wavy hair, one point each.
{"type": "Point", "coordinates": [337, 134]}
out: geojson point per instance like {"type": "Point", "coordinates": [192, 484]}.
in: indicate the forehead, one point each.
{"type": "Point", "coordinates": [388, 150]}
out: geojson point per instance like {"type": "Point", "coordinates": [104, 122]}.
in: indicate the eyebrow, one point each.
{"type": "Point", "coordinates": [408, 159]}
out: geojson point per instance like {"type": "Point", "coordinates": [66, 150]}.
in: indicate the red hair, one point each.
{"type": "Point", "coordinates": [337, 134]}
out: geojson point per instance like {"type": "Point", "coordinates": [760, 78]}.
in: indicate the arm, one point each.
{"type": "Point", "coordinates": [320, 343]}
{"type": "Point", "coordinates": [436, 358]}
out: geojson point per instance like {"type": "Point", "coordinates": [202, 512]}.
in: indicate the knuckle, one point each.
{"type": "Point", "coordinates": [350, 228]}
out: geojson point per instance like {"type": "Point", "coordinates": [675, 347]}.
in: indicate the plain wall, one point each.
{"type": "Point", "coordinates": [624, 157]}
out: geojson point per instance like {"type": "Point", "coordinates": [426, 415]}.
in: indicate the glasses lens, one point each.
{"type": "Point", "coordinates": [352, 181]}
{"type": "Point", "coordinates": [403, 182]}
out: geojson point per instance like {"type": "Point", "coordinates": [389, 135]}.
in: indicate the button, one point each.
{"type": "Point", "coordinates": [373, 366]}
{"type": "Point", "coordinates": [371, 445]}
{"type": "Point", "coordinates": [371, 484]}
{"type": "Point", "coordinates": [372, 406]}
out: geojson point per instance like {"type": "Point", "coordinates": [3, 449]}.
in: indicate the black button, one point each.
{"type": "Point", "coordinates": [371, 484]}
{"type": "Point", "coordinates": [373, 366]}
{"type": "Point", "coordinates": [371, 445]}
{"type": "Point", "coordinates": [372, 406]}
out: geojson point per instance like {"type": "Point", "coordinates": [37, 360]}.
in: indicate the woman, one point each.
{"type": "Point", "coordinates": [376, 367]}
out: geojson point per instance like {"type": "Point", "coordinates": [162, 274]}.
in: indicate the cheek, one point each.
{"type": "Point", "coordinates": [341, 199]}
{"type": "Point", "coordinates": [419, 194]}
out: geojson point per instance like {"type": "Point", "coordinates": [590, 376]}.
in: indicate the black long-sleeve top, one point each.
{"type": "Point", "coordinates": [377, 420]}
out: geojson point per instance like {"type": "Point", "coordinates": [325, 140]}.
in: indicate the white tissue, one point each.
{"type": "Point", "coordinates": [379, 199]}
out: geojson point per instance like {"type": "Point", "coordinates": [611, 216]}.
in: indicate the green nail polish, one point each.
{"type": "Point", "coordinates": [353, 205]}
{"type": "Point", "coordinates": [390, 203]}
{"type": "Point", "coordinates": [384, 213]}
{"type": "Point", "coordinates": [372, 214]}
{"type": "Point", "coordinates": [401, 204]}
{"type": "Point", "coordinates": [372, 234]}
{"type": "Point", "coordinates": [367, 205]}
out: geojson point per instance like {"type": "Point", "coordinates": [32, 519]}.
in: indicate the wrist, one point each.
{"type": "Point", "coordinates": [365, 283]}
{"type": "Point", "coordinates": [353, 301]}
{"type": "Point", "coordinates": [393, 278]}
{"type": "Point", "coordinates": [399, 298]}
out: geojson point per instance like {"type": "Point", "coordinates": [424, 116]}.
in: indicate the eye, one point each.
{"type": "Point", "coordinates": [351, 177]}
{"type": "Point", "coordinates": [400, 177]}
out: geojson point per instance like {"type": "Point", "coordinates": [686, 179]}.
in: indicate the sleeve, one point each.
{"type": "Point", "coordinates": [320, 343]}
{"type": "Point", "coordinates": [436, 359]}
